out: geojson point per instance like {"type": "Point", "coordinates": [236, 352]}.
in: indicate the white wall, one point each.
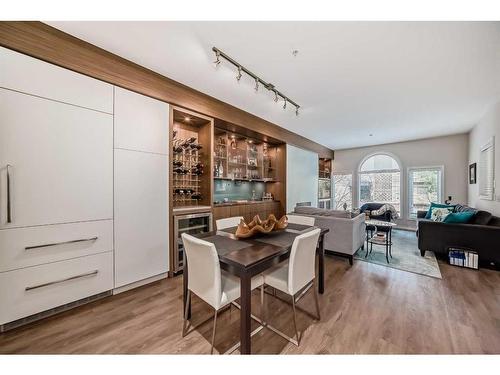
{"type": "Point", "coordinates": [449, 152]}
{"type": "Point", "coordinates": [301, 177]}
{"type": "Point", "coordinates": [488, 127]}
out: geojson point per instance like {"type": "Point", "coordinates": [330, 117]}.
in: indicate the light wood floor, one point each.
{"type": "Point", "coordinates": [366, 308]}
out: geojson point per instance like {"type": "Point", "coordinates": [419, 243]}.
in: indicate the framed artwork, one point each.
{"type": "Point", "coordinates": [472, 173]}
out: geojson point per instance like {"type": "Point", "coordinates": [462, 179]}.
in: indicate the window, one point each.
{"type": "Point", "coordinates": [380, 181]}
{"type": "Point", "coordinates": [487, 171]}
{"type": "Point", "coordinates": [424, 186]}
{"type": "Point", "coordinates": [342, 191]}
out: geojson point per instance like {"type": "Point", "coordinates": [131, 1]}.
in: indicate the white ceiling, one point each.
{"type": "Point", "coordinates": [396, 80]}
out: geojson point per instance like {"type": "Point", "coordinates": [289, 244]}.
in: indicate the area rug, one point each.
{"type": "Point", "coordinates": [405, 255]}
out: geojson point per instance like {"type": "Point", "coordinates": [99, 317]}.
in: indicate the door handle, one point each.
{"type": "Point", "coordinates": [60, 243]}
{"type": "Point", "coordinates": [9, 203]}
{"type": "Point", "coordinates": [92, 273]}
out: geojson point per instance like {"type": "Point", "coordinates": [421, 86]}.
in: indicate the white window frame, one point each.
{"type": "Point", "coordinates": [410, 185]}
{"type": "Point", "coordinates": [487, 146]}
{"type": "Point", "coordinates": [351, 173]}
{"type": "Point", "coordinates": [400, 170]}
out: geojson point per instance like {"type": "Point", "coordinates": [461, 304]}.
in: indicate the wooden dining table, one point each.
{"type": "Point", "coordinates": [246, 258]}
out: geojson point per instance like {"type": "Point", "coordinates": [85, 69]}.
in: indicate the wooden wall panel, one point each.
{"type": "Point", "coordinates": [52, 45]}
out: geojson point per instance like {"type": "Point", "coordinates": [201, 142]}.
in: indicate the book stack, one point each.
{"type": "Point", "coordinates": [463, 258]}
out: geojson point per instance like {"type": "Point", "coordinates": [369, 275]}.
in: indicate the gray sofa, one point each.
{"type": "Point", "coordinates": [347, 234]}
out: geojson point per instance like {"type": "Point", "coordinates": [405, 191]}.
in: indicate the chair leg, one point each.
{"type": "Point", "coordinates": [262, 305]}
{"type": "Point", "coordinates": [295, 321]}
{"type": "Point", "coordinates": [186, 311]}
{"type": "Point", "coordinates": [316, 299]}
{"type": "Point", "coordinates": [213, 332]}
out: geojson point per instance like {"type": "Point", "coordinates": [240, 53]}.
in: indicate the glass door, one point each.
{"type": "Point", "coordinates": [190, 224]}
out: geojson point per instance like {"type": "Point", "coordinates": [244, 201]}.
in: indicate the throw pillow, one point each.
{"type": "Point", "coordinates": [459, 217]}
{"type": "Point", "coordinates": [440, 214]}
{"type": "Point", "coordinates": [437, 205]}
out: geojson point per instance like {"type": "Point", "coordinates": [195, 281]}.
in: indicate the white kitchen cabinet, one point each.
{"type": "Point", "coordinates": [35, 77]}
{"type": "Point", "coordinates": [28, 291]}
{"type": "Point", "coordinates": [32, 246]}
{"type": "Point", "coordinates": [57, 160]}
{"type": "Point", "coordinates": [141, 123]}
{"type": "Point", "coordinates": [141, 216]}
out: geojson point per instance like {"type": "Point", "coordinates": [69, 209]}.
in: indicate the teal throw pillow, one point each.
{"type": "Point", "coordinates": [459, 217]}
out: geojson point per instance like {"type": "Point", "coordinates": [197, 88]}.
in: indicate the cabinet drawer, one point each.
{"type": "Point", "coordinates": [36, 77]}
{"type": "Point", "coordinates": [25, 247]}
{"type": "Point", "coordinates": [32, 290]}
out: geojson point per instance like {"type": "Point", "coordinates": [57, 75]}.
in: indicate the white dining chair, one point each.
{"type": "Point", "coordinates": [298, 219]}
{"type": "Point", "coordinates": [295, 277]}
{"type": "Point", "coordinates": [228, 222]}
{"type": "Point", "coordinates": [207, 281]}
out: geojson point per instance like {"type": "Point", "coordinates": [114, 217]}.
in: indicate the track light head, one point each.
{"type": "Point", "coordinates": [276, 96]}
{"type": "Point", "coordinates": [256, 84]}
{"type": "Point", "coordinates": [238, 77]}
{"type": "Point", "coordinates": [217, 57]}
{"type": "Point", "coordinates": [284, 103]}
{"type": "Point", "coordinates": [297, 110]}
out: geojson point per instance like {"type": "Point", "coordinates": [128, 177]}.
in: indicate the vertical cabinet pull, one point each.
{"type": "Point", "coordinates": [9, 203]}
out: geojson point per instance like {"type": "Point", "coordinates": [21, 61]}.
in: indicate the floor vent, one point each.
{"type": "Point", "coordinates": [56, 310]}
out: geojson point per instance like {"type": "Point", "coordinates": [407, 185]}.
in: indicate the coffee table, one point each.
{"type": "Point", "coordinates": [372, 228]}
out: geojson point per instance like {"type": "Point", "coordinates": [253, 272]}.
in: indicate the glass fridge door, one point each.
{"type": "Point", "coordinates": [190, 224]}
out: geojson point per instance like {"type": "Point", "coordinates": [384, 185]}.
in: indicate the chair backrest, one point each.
{"type": "Point", "coordinates": [228, 222]}
{"type": "Point", "coordinates": [297, 219]}
{"type": "Point", "coordinates": [204, 277]}
{"type": "Point", "coordinates": [301, 264]}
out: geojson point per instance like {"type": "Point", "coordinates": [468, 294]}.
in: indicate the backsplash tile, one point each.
{"type": "Point", "coordinates": [236, 190]}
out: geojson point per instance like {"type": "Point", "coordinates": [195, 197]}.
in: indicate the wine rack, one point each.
{"type": "Point", "coordinates": [187, 169]}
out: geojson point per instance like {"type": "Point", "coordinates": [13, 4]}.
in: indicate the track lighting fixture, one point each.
{"type": "Point", "coordinates": [258, 80]}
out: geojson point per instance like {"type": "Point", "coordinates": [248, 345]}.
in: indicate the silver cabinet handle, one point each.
{"type": "Point", "coordinates": [60, 243]}
{"type": "Point", "coordinates": [9, 204]}
{"type": "Point", "coordinates": [92, 273]}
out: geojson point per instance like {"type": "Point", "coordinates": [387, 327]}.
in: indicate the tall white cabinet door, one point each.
{"type": "Point", "coordinates": [141, 123]}
{"type": "Point", "coordinates": [56, 162]}
{"type": "Point", "coordinates": [141, 216]}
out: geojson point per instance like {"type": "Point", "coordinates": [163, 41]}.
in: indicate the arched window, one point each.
{"type": "Point", "coordinates": [380, 180]}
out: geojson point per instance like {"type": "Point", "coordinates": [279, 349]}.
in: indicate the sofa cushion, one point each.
{"type": "Point", "coordinates": [437, 205]}
{"type": "Point", "coordinates": [494, 221]}
{"type": "Point", "coordinates": [307, 210]}
{"type": "Point", "coordinates": [322, 212]}
{"type": "Point", "coordinates": [481, 218]}
{"type": "Point", "coordinates": [459, 217]}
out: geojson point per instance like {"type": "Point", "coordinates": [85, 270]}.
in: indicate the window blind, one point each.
{"type": "Point", "coordinates": [487, 171]}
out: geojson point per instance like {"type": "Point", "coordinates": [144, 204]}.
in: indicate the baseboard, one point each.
{"type": "Point", "coordinates": [139, 283]}
{"type": "Point", "coordinates": [47, 313]}
{"type": "Point", "coordinates": [342, 255]}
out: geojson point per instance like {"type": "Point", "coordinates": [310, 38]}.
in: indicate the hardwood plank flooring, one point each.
{"type": "Point", "coordinates": [366, 308]}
